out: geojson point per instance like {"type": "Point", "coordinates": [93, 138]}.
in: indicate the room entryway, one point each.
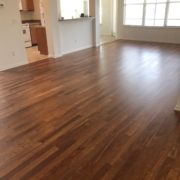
{"type": "Point", "coordinates": [108, 21]}
{"type": "Point", "coordinates": [34, 29]}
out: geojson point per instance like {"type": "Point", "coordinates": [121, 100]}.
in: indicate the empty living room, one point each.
{"type": "Point", "coordinates": [102, 99]}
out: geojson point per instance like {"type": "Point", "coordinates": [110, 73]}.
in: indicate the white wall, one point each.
{"type": "Point", "coordinates": [94, 12]}
{"type": "Point", "coordinates": [106, 26]}
{"type": "Point", "coordinates": [53, 30]}
{"type": "Point", "coordinates": [68, 36]}
{"type": "Point", "coordinates": [177, 108]}
{"type": "Point", "coordinates": [169, 35]}
{"type": "Point", "coordinates": [12, 51]}
{"type": "Point", "coordinates": [76, 35]}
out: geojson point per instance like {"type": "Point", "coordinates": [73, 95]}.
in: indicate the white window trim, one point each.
{"type": "Point", "coordinates": [144, 13]}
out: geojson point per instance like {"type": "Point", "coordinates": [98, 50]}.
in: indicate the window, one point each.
{"type": "Point", "coordinates": [174, 13]}
{"type": "Point", "coordinates": [134, 12]}
{"type": "Point", "coordinates": [152, 12]}
{"type": "Point", "coordinates": [73, 8]}
{"type": "Point", "coordinates": [155, 12]}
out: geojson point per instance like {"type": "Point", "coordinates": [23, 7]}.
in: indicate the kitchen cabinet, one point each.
{"type": "Point", "coordinates": [42, 40]}
{"type": "Point", "coordinates": [26, 5]}
{"type": "Point", "coordinates": [33, 35]}
{"type": "Point", "coordinates": [33, 26]}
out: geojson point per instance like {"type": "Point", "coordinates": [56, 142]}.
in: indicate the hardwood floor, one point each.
{"type": "Point", "coordinates": [102, 113]}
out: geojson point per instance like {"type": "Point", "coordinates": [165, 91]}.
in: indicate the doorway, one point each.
{"type": "Point", "coordinates": [34, 29]}
{"type": "Point", "coordinates": [108, 21]}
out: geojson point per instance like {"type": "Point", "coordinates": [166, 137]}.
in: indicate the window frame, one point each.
{"type": "Point", "coordinates": [168, 6]}
{"type": "Point", "coordinates": [144, 14]}
{"type": "Point", "coordinates": [124, 16]}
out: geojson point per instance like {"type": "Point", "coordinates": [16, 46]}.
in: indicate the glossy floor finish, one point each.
{"type": "Point", "coordinates": [102, 113]}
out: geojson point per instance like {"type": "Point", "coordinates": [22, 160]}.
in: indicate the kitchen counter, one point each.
{"type": "Point", "coordinates": [31, 21]}
{"type": "Point", "coordinates": [77, 19]}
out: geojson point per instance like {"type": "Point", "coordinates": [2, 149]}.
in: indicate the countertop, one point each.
{"type": "Point", "coordinates": [77, 19]}
{"type": "Point", "coordinates": [31, 21]}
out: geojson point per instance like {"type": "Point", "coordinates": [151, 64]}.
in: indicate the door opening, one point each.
{"type": "Point", "coordinates": [108, 21]}
{"type": "Point", "coordinates": [34, 29]}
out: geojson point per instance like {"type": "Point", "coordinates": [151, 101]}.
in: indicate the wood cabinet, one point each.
{"type": "Point", "coordinates": [33, 26]}
{"type": "Point", "coordinates": [26, 5]}
{"type": "Point", "coordinates": [42, 40]}
{"type": "Point", "coordinates": [33, 35]}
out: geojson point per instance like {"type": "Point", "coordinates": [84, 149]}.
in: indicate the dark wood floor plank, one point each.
{"type": "Point", "coordinates": [101, 113]}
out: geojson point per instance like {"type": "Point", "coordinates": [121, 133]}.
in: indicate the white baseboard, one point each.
{"type": "Point", "coordinates": [10, 66]}
{"type": "Point", "coordinates": [71, 51]}
{"type": "Point", "coordinates": [6, 67]}
{"type": "Point", "coordinates": [78, 49]}
{"type": "Point", "coordinates": [54, 56]}
{"type": "Point", "coordinates": [148, 41]}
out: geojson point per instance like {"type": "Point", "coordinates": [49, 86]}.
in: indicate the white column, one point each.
{"type": "Point", "coordinates": [94, 11]}
{"type": "Point", "coordinates": [53, 29]}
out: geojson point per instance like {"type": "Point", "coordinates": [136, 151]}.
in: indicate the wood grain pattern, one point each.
{"type": "Point", "coordinates": [101, 113]}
